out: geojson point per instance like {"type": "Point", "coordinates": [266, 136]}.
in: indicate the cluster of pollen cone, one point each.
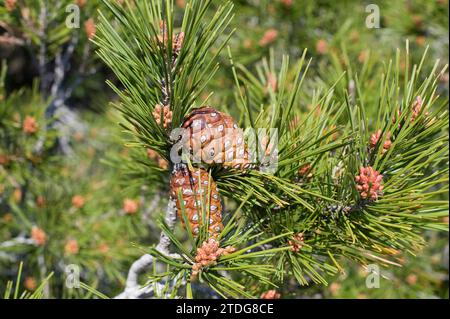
{"type": "Point", "coordinates": [212, 138]}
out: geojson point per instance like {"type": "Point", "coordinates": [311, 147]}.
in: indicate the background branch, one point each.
{"type": "Point", "coordinates": [133, 289]}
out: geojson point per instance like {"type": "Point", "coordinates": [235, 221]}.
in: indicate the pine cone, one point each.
{"type": "Point", "coordinates": [189, 182]}
{"type": "Point", "coordinates": [214, 138]}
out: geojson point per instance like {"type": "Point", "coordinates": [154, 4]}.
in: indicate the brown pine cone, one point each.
{"type": "Point", "coordinates": [214, 138]}
{"type": "Point", "coordinates": [194, 187]}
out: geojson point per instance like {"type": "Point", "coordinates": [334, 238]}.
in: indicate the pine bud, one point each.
{"type": "Point", "coordinates": [271, 294]}
{"type": "Point", "coordinates": [78, 201]}
{"type": "Point", "coordinates": [162, 163]}
{"type": "Point", "coordinates": [103, 248]}
{"type": "Point", "coordinates": [30, 125]}
{"type": "Point", "coordinates": [17, 195]}
{"type": "Point", "coordinates": [269, 37]}
{"type": "Point", "coordinates": [362, 56]}
{"type": "Point", "coordinates": [7, 218]}
{"type": "Point", "coordinates": [271, 84]}
{"type": "Point", "coordinates": [266, 145]}
{"type": "Point", "coordinates": [90, 28]}
{"type": "Point", "coordinates": [40, 201]}
{"type": "Point", "coordinates": [297, 242]}
{"type": "Point", "coordinates": [374, 138]}
{"type": "Point", "coordinates": [181, 3]}
{"type": "Point", "coordinates": [153, 155]}
{"type": "Point", "coordinates": [163, 38]}
{"type": "Point", "coordinates": [39, 236]}
{"type": "Point", "coordinates": [248, 44]}
{"type": "Point", "coordinates": [411, 279]}
{"type": "Point", "coordinates": [10, 5]}
{"type": "Point", "coordinates": [177, 39]}
{"type": "Point", "coordinates": [287, 3]}
{"type": "Point", "coordinates": [130, 206]}
{"type": "Point", "coordinates": [81, 3]}
{"type": "Point", "coordinates": [305, 171]}
{"type": "Point", "coordinates": [4, 160]}
{"type": "Point", "coordinates": [421, 40]}
{"type": "Point", "coordinates": [334, 288]}
{"type": "Point", "coordinates": [395, 118]}
{"type": "Point", "coordinates": [322, 47]}
{"type": "Point", "coordinates": [71, 247]}
{"type": "Point", "coordinates": [416, 108]}
{"type": "Point", "coordinates": [30, 283]}
{"type": "Point", "coordinates": [177, 44]}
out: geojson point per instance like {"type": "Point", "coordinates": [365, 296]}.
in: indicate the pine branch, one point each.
{"type": "Point", "coordinates": [42, 58]}
{"type": "Point", "coordinates": [154, 71]}
{"type": "Point", "coordinates": [133, 289]}
{"type": "Point", "coordinates": [20, 240]}
{"type": "Point", "coordinates": [147, 213]}
{"type": "Point", "coordinates": [58, 93]}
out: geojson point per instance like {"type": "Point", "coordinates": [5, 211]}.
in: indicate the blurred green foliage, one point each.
{"type": "Point", "coordinates": [80, 200]}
